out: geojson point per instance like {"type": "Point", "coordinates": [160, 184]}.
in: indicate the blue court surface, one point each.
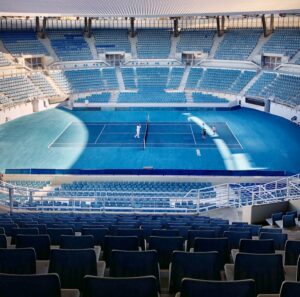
{"type": "Point", "coordinates": [245, 140]}
{"type": "Point", "coordinates": [160, 134]}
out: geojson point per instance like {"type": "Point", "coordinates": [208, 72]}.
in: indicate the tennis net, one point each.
{"type": "Point", "coordinates": [146, 134]}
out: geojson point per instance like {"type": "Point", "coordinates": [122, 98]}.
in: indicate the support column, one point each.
{"type": "Point", "coordinates": [272, 24]}
{"type": "Point", "coordinates": [89, 28]}
{"type": "Point", "coordinates": [85, 24]}
{"type": "Point", "coordinates": [10, 194]}
{"type": "Point", "coordinates": [220, 25]}
{"type": "Point", "coordinates": [267, 31]}
{"type": "Point", "coordinates": [44, 27]}
{"type": "Point", "coordinates": [132, 28]}
{"type": "Point", "coordinates": [176, 31]}
{"type": "Point", "coordinates": [264, 24]}
{"type": "Point", "coordinates": [37, 24]}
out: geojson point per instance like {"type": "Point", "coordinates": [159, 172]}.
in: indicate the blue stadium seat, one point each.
{"type": "Point", "coordinates": [263, 246]}
{"type": "Point", "coordinates": [292, 252]}
{"type": "Point", "coordinates": [279, 239]}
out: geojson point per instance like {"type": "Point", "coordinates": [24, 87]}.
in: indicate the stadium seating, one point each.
{"type": "Point", "coordinates": [69, 45]}
{"type": "Point", "coordinates": [41, 82]}
{"type": "Point", "coordinates": [89, 80]}
{"type": "Point", "coordinates": [60, 79]}
{"type": "Point", "coordinates": [292, 252]}
{"type": "Point", "coordinates": [207, 98]}
{"type": "Point", "coordinates": [4, 100]}
{"type": "Point", "coordinates": [283, 41]}
{"type": "Point", "coordinates": [95, 98]}
{"type": "Point", "coordinates": [237, 44]}
{"type": "Point", "coordinates": [22, 43]}
{"type": "Point", "coordinates": [152, 97]}
{"type": "Point", "coordinates": [19, 88]}
{"type": "Point", "coordinates": [153, 43]}
{"type": "Point", "coordinates": [3, 60]}
{"type": "Point", "coordinates": [112, 40]}
{"type": "Point", "coordinates": [196, 40]}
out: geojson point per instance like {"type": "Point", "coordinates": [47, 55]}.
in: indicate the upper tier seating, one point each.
{"type": "Point", "coordinates": [153, 43]}
{"type": "Point", "coordinates": [19, 88]}
{"type": "Point", "coordinates": [223, 80]}
{"type": "Point", "coordinates": [283, 41]}
{"type": "Point", "coordinates": [70, 45]}
{"type": "Point", "coordinates": [95, 98]}
{"type": "Point", "coordinates": [196, 40]}
{"type": "Point", "coordinates": [30, 184]}
{"type": "Point", "coordinates": [280, 87]}
{"type": "Point", "coordinates": [152, 97]}
{"type": "Point", "coordinates": [237, 44]}
{"type": "Point", "coordinates": [22, 43]}
{"type": "Point", "coordinates": [3, 60]}
{"type": "Point", "coordinates": [92, 79]}
{"type": "Point", "coordinates": [40, 81]}
{"type": "Point", "coordinates": [112, 40]}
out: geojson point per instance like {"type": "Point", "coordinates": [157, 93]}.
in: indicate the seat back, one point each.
{"type": "Point", "coordinates": [165, 247]}
{"type": "Point", "coordinates": [276, 217]}
{"type": "Point", "coordinates": [219, 245]}
{"type": "Point", "coordinates": [97, 233]}
{"type": "Point", "coordinates": [17, 231]}
{"type": "Point", "coordinates": [192, 234]}
{"type": "Point", "coordinates": [288, 221]}
{"type": "Point", "coordinates": [290, 289]}
{"type": "Point", "coordinates": [127, 243]}
{"type": "Point", "coordinates": [17, 261]}
{"type": "Point", "coordinates": [265, 269]}
{"type": "Point", "coordinates": [196, 288]}
{"type": "Point", "coordinates": [279, 239]}
{"type": "Point", "coordinates": [292, 252]}
{"type": "Point", "coordinates": [194, 265]}
{"type": "Point", "coordinates": [165, 232]}
{"type": "Point", "coordinates": [133, 232]}
{"type": "Point", "coordinates": [270, 230]}
{"type": "Point", "coordinates": [120, 287]}
{"type": "Point", "coordinates": [72, 266]}
{"type": "Point", "coordinates": [76, 242]}
{"type": "Point", "coordinates": [40, 243]}
{"type": "Point", "coordinates": [56, 233]}
{"type": "Point", "coordinates": [263, 246]}
{"type": "Point", "coordinates": [45, 285]}
{"type": "Point", "coordinates": [134, 263]}
{"type": "Point", "coordinates": [3, 241]}
{"type": "Point", "coordinates": [235, 237]}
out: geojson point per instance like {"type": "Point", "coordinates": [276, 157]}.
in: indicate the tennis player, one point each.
{"type": "Point", "coordinates": [138, 131]}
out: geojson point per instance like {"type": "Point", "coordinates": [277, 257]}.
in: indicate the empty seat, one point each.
{"type": "Point", "coordinates": [76, 242]}
{"type": "Point", "coordinates": [72, 266]}
{"type": "Point", "coordinates": [134, 263]}
{"type": "Point", "coordinates": [133, 232]}
{"type": "Point", "coordinates": [194, 265]}
{"type": "Point", "coordinates": [17, 231]}
{"type": "Point", "coordinates": [40, 243]}
{"type": "Point", "coordinates": [56, 233]}
{"type": "Point", "coordinates": [288, 221]}
{"type": "Point", "coordinates": [127, 243]}
{"type": "Point", "coordinates": [47, 285]}
{"type": "Point", "coordinates": [276, 217]}
{"type": "Point", "coordinates": [203, 288]}
{"type": "Point", "coordinates": [235, 237]}
{"type": "Point", "coordinates": [3, 241]}
{"type": "Point", "coordinates": [17, 261]}
{"type": "Point", "coordinates": [257, 246]}
{"type": "Point", "coordinates": [192, 234]}
{"type": "Point", "coordinates": [219, 245]}
{"type": "Point", "coordinates": [120, 287]}
{"type": "Point", "coordinates": [288, 289]}
{"type": "Point", "coordinates": [164, 232]}
{"type": "Point", "coordinates": [279, 239]}
{"type": "Point", "coordinates": [270, 230]}
{"type": "Point", "coordinates": [165, 247]}
{"type": "Point", "coordinates": [292, 252]}
{"type": "Point", "coordinates": [266, 270]}
{"type": "Point", "coordinates": [97, 233]}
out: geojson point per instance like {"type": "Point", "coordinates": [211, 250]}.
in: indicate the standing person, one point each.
{"type": "Point", "coordinates": [203, 133]}
{"type": "Point", "coordinates": [214, 130]}
{"type": "Point", "coordinates": [138, 131]}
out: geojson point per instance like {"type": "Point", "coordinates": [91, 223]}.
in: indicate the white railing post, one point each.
{"type": "Point", "coordinates": [198, 201]}
{"type": "Point", "coordinates": [288, 187]}
{"type": "Point", "coordinates": [10, 194]}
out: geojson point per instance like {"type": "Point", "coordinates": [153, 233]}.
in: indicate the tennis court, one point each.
{"type": "Point", "coordinates": [153, 134]}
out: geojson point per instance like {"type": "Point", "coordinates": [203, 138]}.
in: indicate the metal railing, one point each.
{"type": "Point", "coordinates": [18, 198]}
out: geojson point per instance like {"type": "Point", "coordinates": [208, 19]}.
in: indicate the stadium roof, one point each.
{"type": "Point", "coordinates": [145, 8]}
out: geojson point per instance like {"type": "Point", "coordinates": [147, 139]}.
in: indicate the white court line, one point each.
{"type": "Point", "coordinates": [60, 134]}
{"type": "Point", "coordinates": [100, 133]}
{"type": "Point", "coordinates": [193, 134]}
{"type": "Point", "coordinates": [234, 136]}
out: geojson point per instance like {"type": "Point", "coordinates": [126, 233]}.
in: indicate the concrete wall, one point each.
{"type": "Point", "coordinates": [257, 214]}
